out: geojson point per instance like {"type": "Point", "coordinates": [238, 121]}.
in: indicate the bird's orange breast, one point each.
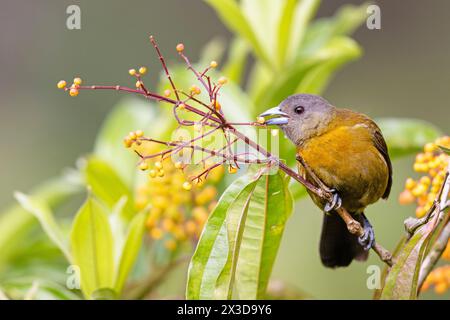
{"type": "Point", "coordinates": [345, 158]}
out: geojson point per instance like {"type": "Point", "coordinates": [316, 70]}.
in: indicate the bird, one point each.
{"type": "Point", "coordinates": [344, 151]}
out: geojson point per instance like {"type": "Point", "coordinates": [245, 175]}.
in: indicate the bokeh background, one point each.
{"type": "Point", "coordinates": [403, 72]}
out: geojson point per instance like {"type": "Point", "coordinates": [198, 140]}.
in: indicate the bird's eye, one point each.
{"type": "Point", "coordinates": [299, 110]}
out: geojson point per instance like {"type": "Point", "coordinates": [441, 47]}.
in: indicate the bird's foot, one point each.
{"type": "Point", "coordinates": [335, 203]}
{"type": "Point", "coordinates": [367, 240]}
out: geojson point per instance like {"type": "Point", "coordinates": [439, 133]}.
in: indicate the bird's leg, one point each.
{"type": "Point", "coordinates": [335, 202]}
{"type": "Point", "coordinates": [311, 173]}
{"type": "Point", "coordinates": [367, 240]}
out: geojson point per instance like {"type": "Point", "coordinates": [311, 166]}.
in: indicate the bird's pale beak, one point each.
{"type": "Point", "coordinates": [279, 117]}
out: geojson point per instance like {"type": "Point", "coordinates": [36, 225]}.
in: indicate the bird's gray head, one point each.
{"type": "Point", "coordinates": [301, 116]}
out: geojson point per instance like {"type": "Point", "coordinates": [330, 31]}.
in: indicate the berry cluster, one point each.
{"type": "Point", "coordinates": [73, 89]}
{"type": "Point", "coordinates": [178, 207]}
{"type": "Point", "coordinates": [432, 162]}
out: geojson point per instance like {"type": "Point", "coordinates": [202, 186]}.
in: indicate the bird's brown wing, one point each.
{"type": "Point", "coordinates": [380, 144]}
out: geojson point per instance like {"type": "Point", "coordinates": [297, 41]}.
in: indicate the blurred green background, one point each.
{"type": "Point", "coordinates": [404, 72]}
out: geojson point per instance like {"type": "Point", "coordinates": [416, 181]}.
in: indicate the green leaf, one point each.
{"type": "Point", "coordinates": [15, 221]}
{"type": "Point", "coordinates": [235, 225]}
{"type": "Point", "coordinates": [235, 66]}
{"type": "Point", "coordinates": [104, 294]}
{"type": "Point", "coordinates": [284, 29]}
{"type": "Point", "coordinates": [107, 185]}
{"type": "Point", "coordinates": [43, 213]}
{"type": "Point", "coordinates": [264, 17]}
{"type": "Point", "coordinates": [406, 136]}
{"type": "Point", "coordinates": [129, 115]}
{"type": "Point", "coordinates": [343, 50]}
{"type": "Point", "coordinates": [231, 15]}
{"type": "Point", "coordinates": [269, 209]}
{"type": "Point", "coordinates": [309, 74]}
{"type": "Point", "coordinates": [303, 13]}
{"type": "Point", "coordinates": [130, 249]}
{"type": "Point", "coordinates": [93, 247]}
{"type": "Point", "coordinates": [238, 246]}
{"type": "Point", "coordinates": [321, 31]}
{"type": "Point", "coordinates": [210, 255]}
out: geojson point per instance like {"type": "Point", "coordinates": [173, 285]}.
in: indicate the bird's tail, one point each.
{"type": "Point", "coordinates": [338, 247]}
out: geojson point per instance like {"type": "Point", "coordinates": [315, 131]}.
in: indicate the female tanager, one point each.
{"type": "Point", "coordinates": [347, 152]}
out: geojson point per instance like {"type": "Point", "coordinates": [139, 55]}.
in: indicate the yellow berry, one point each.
{"type": "Point", "coordinates": [158, 165]}
{"type": "Point", "coordinates": [425, 180]}
{"type": "Point", "coordinates": [138, 84]}
{"type": "Point", "coordinates": [161, 173]}
{"type": "Point", "coordinates": [420, 167]}
{"type": "Point", "coordinates": [77, 81]}
{"type": "Point", "coordinates": [222, 80]}
{"type": "Point", "coordinates": [182, 106]}
{"type": "Point", "coordinates": [152, 173]}
{"type": "Point", "coordinates": [180, 47]}
{"type": "Point", "coordinates": [142, 70]}
{"type": "Point", "coordinates": [195, 90]}
{"type": "Point", "coordinates": [430, 147]}
{"type": "Point", "coordinates": [261, 120]}
{"type": "Point", "coordinates": [61, 84]}
{"type": "Point", "coordinates": [127, 142]}
{"type": "Point", "coordinates": [73, 92]}
{"type": "Point", "coordinates": [178, 165]}
{"type": "Point", "coordinates": [213, 64]}
{"type": "Point", "coordinates": [132, 135]}
{"type": "Point", "coordinates": [420, 212]}
{"type": "Point", "coordinates": [143, 166]}
{"type": "Point", "coordinates": [410, 183]}
{"type": "Point", "coordinates": [187, 186]}
{"type": "Point", "coordinates": [139, 133]}
{"type": "Point", "coordinates": [132, 72]}
{"type": "Point", "coordinates": [232, 169]}
{"type": "Point", "coordinates": [167, 93]}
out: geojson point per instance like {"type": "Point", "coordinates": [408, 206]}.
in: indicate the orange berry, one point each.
{"type": "Point", "coordinates": [406, 197]}
{"type": "Point", "coordinates": [232, 169]}
{"type": "Point", "coordinates": [168, 224]}
{"type": "Point", "coordinates": [180, 47]}
{"type": "Point", "coordinates": [440, 287]}
{"type": "Point", "coordinates": [170, 244]}
{"type": "Point", "coordinates": [167, 93]}
{"type": "Point", "coordinates": [156, 233]}
{"type": "Point", "coordinates": [190, 227]}
{"type": "Point", "coordinates": [73, 92]}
